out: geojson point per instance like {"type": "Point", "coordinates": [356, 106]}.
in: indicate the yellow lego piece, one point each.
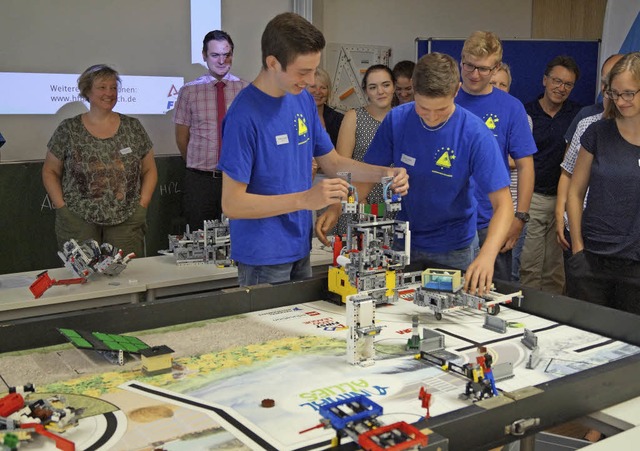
{"type": "Point", "coordinates": [338, 283]}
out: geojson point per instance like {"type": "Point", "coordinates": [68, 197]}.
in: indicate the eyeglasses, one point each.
{"type": "Point", "coordinates": [627, 95]}
{"type": "Point", "coordinates": [482, 70]}
{"type": "Point", "coordinates": [556, 83]}
{"type": "Point", "coordinates": [216, 56]}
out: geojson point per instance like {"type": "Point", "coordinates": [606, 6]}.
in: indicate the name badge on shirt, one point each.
{"type": "Point", "coordinates": [406, 159]}
{"type": "Point", "coordinates": [282, 139]}
{"type": "Point", "coordinates": [126, 151]}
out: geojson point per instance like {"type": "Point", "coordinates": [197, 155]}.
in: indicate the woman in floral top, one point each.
{"type": "Point", "coordinates": [100, 171]}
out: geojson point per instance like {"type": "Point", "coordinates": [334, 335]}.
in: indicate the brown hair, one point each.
{"type": "Point", "coordinates": [216, 35]}
{"type": "Point", "coordinates": [404, 69]}
{"type": "Point", "coordinates": [565, 61]}
{"type": "Point", "coordinates": [436, 75]}
{"type": "Point", "coordinates": [289, 35]}
{"type": "Point", "coordinates": [630, 62]}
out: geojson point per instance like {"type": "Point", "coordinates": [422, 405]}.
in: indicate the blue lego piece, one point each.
{"type": "Point", "coordinates": [363, 407]}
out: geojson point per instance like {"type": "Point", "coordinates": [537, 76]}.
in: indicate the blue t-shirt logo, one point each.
{"type": "Point", "coordinates": [491, 121]}
{"type": "Point", "coordinates": [444, 158]}
{"type": "Point", "coordinates": [303, 131]}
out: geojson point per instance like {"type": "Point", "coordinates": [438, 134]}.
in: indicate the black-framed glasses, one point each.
{"type": "Point", "coordinates": [626, 96]}
{"type": "Point", "coordinates": [482, 70]}
{"type": "Point", "coordinates": [556, 83]}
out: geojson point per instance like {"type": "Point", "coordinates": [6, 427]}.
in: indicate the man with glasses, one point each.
{"type": "Point", "coordinates": [200, 108]}
{"type": "Point", "coordinates": [506, 118]}
{"type": "Point", "coordinates": [542, 265]}
{"type": "Point", "coordinates": [448, 152]}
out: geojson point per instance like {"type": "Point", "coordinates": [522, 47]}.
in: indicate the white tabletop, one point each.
{"type": "Point", "coordinates": [143, 279]}
{"type": "Point", "coordinates": [97, 291]}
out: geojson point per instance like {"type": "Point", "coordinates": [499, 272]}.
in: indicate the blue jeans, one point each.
{"type": "Point", "coordinates": [285, 272]}
{"type": "Point", "coordinates": [458, 258]}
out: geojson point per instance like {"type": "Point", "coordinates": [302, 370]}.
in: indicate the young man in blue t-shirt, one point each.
{"type": "Point", "coordinates": [271, 134]}
{"type": "Point", "coordinates": [505, 116]}
{"type": "Point", "coordinates": [443, 146]}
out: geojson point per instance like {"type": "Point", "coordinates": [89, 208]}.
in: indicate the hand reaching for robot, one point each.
{"type": "Point", "coordinates": [326, 192]}
{"type": "Point", "coordinates": [478, 277]}
{"type": "Point", "coordinates": [400, 182]}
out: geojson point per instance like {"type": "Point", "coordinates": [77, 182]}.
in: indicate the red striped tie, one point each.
{"type": "Point", "coordinates": [222, 110]}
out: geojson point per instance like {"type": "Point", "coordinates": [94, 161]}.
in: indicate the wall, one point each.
{"type": "Point", "coordinates": [138, 37]}
{"type": "Point", "coordinates": [571, 19]}
{"type": "Point", "coordinates": [151, 37]}
{"type": "Point", "coordinates": [398, 23]}
{"type": "Point", "coordinates": [29, 243]}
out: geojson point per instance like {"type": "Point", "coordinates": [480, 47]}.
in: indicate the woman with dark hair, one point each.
{"type": "Point", "coordinates": [359, 126]}
{"type": "Point", "coordinates": [100, 170]}
{"type": "Point", "coordinates": [403, 72]}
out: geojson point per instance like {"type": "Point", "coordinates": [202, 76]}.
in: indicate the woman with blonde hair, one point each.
{"type": "Point", "coordinates": [605, 265]}
{"type": "Point", "coordinates": [321, 92]}
{"type": "Point", "coordinates": [100, 171]}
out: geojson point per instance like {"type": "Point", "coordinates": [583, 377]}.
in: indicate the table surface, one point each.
{"type": "Point", "coordinates": [230, 364]}
{"type": "Point", "coordinates": [141, 275]}
{"type": "Point", "coordinates": [15, 294]}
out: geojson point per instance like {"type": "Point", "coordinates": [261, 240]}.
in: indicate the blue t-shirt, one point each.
{"type": "Point", "coordinates": [268, 143]}
{"type": "Point", "coordinates": [505, 116]}
{"type": "Point", "coordinates": [440, 205]}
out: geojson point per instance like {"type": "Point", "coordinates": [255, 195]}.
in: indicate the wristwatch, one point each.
{"type": "Point", "coordinates": [523, 216]}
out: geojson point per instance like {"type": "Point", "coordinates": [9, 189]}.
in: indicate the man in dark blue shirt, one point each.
{"type": "Point", "coordinates": [541, 262]}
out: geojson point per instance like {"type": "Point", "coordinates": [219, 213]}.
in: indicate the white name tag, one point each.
{"type": "Point", "coordinates": [282, 139]}
{"type": "Point", "coordinates": [406, 159]}
{"type": "Point", "coordinates": [126, 150]}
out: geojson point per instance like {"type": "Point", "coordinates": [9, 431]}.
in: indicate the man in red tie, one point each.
{"type": "Point", "coordinates": [199, 111]}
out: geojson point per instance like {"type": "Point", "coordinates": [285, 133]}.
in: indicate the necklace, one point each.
{"type": "Point", "coordinates": [429, 129]}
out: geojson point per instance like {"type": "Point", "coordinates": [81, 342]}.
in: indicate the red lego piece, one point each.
{"type": "Point", "coordinates": [337, 248]}
{"type": "Point", "coordinates": [43, 282]}
{"type": "Point", "coordinates": [61, 443]}
{"type": "Point", "coordinates": [413, 435]}
{"type": "Point", "coordinates": [425, 397]}
{"type": "Point", "coordinates": [11, 404]}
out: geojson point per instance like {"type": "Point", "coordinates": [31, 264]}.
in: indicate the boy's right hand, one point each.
{"type": "Point", "coordinates": [326, 222]}
{"type": "Point", "coordinates": [326, 192]}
